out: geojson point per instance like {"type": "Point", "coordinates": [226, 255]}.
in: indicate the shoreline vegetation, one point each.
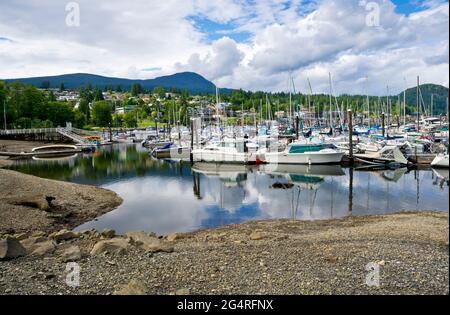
{"type": "Point", "coordinates": [266, 257]}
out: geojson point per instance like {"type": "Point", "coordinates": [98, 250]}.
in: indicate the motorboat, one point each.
{"type": "Point", "coordinates": [172, 151]}
{"type": "Point", "coordinates": [387, 156]}
{"type": "Point", "coordinates": [306, 153]}
{"type": "Point", "coordinates": [227, 151]}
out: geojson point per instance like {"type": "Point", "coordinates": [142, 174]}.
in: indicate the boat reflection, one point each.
{"type": "Point", "coordinates": [232, 175]}
{"type": "Point", "coordinates": [304, 176]}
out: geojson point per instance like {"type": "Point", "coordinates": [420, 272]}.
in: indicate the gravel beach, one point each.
{"type": "Point", "coordinates": [270, 257]}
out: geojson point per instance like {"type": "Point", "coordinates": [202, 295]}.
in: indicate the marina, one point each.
{"type": "Point", "coordinates": [166, 196]}
{"type": "Point", "coordinates": [206, 150]}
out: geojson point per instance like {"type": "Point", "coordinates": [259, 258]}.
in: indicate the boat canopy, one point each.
{"type": "Point", "coordinates": [304, 148]}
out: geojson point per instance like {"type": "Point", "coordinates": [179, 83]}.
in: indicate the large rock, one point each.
{"type": "Point", "coordinates": [107, 233]}
{"type": "Point", "coordinates": [256, 236]}
{"type": "Point", "coordinates": [149, 243]}
{"type": "Point", "coordinates": [22, 236]}
{"type": "Point", "coordinates": [135, 287]}
{"type": "Point", "coordinates": [72, 253]}
{"type": "Point", "coordinates": [33, 201]}
{"type": "Point", "coordinates": [139, 236]}
{"type": "Point", "coordinates": [44, 248]}
{"type": "Point", "coordinates": [32, 243]}
{"type": "Point", "coordinates": [63, 235]}
{"type": "Point", "coordinates": [174, 237]}
{"type": "Point", "coordinates": [183, 291]}
{"type": "Point", "coordinates": [11, 248]}
{"type": "Point", "coordinates": [114, 246]}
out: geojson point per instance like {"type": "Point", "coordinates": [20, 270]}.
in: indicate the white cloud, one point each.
{"type": "Point", "coordinates": [311, 38]}
{"type": "Point", "coordinates": [224, 57]}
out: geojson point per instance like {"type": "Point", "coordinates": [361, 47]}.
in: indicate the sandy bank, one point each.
{"type": "Point", "coordinates": [22, 197]}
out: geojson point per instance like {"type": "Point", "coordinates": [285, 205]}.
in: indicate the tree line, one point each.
{"type": "Point", "coordinates": [28, 107]}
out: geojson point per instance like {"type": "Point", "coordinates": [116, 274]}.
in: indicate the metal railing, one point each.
{"type": "Point", "coordinates": [28, 131]}
{"type": "Point", "coordinates": [71, 133]}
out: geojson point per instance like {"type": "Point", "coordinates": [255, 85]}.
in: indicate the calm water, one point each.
{"type": "Point", "coordinates": [166, 197]}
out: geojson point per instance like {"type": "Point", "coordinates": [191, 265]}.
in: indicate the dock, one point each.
{"type": "Point", "coordinates": [49, 134]}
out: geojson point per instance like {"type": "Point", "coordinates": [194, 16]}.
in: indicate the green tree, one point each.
{"type": "Point", "coordinates": [98, 95]}
{"type": "Point", "coordinates": [84, 108]}
{"type": "Point", "coordinates": [58, 112]}
{"type": "Point", "coordinates": [62, 87]}
{"type": "Point", "coordinates": [136, 89]}
{"type": "Point", "coordinates": [51, 97]}
{"type": "Point", "coordinates": [130, 119]}
{"type": "Point", "coordinates": [23, 123]}
{"type": "Point", "coordinates": [102, 114]}
{"type": "Point", "coordinates": [80, 119]}
{"type": "Point", "coordinates": [159, 91]}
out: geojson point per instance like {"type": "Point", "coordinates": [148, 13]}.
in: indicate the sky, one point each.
{"type": "Point", "coordinates": [368, 46]}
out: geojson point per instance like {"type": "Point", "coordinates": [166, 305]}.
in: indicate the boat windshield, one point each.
{"type": "Point", "coordinates": [238, 145]}
{"type": "Point", "coordinates": [303, 148]}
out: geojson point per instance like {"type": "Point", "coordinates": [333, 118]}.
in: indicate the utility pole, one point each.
{"type": "Point", "coordinates": [4, 112]}
{"type": "Point", "coordinates": [350, 134]}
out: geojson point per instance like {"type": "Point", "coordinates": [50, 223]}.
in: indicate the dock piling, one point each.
{"type": "Point", "coordinates": [350, 134]}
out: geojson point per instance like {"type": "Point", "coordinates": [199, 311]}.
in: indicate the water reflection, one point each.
{"type": "Point", "coordinates": [165, 197]}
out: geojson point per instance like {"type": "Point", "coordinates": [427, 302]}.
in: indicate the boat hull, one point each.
{"type": "Point", "coordinates": [304, 158]}
{"type": "Point", "coordinates": [441, 161]}
{"type": "Point", "coordinates": [224, 157]}
{"type": "Point", "coordinates": [172, 153]}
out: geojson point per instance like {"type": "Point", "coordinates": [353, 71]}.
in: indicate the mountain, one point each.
{"type": "Point", "coordinates": [440, 95]}
{"type": "Point", "coordinates": [193, 82]}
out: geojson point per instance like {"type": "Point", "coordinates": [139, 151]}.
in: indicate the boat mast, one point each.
{"type": "Point", "coordinates": [404, 104]}
{"type": "Point", "coordinates": [290, 99]}
{"type": "Point", "coordinates": [431, 114]}
{"type": "Point", "coordinates": [331, 102]}
{"type": "Point", "coordinates": [418, 104]}
{"type": "Point", "coordinates": [368, 102]}
{"type": "Point", "coordinates": [309, 109]}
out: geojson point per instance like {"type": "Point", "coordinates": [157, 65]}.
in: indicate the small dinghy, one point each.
{"type": "Point", "coordinates": [55, 147]}
{"type": "Point", "coordinates": [56, 150]}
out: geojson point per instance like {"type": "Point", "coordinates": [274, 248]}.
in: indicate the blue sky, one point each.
{"type": "Point", "coordinates": [213, 30]}
{"type": "Point", "coordinates": [410, 6]}
{"type": "Point", "coordinates": [249, 44]}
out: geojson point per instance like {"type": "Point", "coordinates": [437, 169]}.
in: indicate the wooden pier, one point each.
{"type": "Point", "coordinates": [48, 135]}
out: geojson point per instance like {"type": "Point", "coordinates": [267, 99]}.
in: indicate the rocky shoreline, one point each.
{"type": "Point", "coordinates": [268, 257]}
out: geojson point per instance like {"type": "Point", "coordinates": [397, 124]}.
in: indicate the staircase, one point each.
{"type": "Point", "coordinates": [73, 136]}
